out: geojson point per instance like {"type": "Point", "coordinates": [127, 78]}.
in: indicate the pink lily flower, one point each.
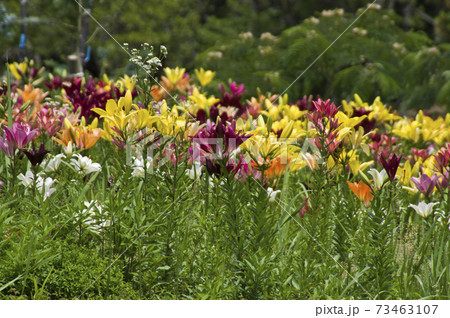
{"type": "Point", "coordinates": [16, 137]}
{"type": "Point", "coordinates": [425, 184]}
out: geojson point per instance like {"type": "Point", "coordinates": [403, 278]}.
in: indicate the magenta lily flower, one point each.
{"type": "Point", "coordinates": [16, 137]}
{"type": "Point", "coordinates": [390, 165]}
{"type": "Point", "coordinates": [425, 184]}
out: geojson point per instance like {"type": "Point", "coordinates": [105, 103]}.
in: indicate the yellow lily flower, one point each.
{"type": "Point", "coordinates": [204, 77]}
{"type": "Point", "coordinates": [423, 128]}
{"type": "Point", "coordinates": [381, 113]}
{"type": "Point", "coordinates": [347, 122]}
{"type": "Point", "coordinates": [126, 83]}
{"type": "Point", "coordinates": [174, 74]}
{"type": "Point", "coordinates": [18, 70]}
{"type": "Point", "coordinates": [200, 101]}
{"type": "Point", "coordinates": [262, 146]}
{"type": "Point", "coordinates": [405, 173]}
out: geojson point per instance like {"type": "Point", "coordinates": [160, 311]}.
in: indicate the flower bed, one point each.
{"type": "Point", "coordinates": [128, 189]}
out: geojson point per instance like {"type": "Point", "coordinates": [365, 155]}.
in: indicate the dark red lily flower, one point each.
{"type": "Point", "coordinates": [90, 95]}
{"type": "Point", "coordinates": [36, 157]}
{"type": "Point", "coordinates": [391, 164]}
{"type": "Point", "coordinates": [56, 83]}
{"type": "Point", "coordinates": [305, 103]}
{"type": "Point", "coordinates": [215, 145]}
{"type": "Point", "coordinates": [367, 124]}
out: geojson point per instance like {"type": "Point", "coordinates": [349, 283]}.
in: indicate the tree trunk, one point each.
{"type": "Point", "coordinates": [83, 28]}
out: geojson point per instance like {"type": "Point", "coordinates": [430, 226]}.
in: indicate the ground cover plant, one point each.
{"type": "Point", "coordinates": [125, 189]}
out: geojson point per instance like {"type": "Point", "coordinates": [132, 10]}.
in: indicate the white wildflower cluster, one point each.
{"type": "Point", "coordinates": [311, 34]}
{"type": "Point", "coordinates": [314, 20]}
{"type": "Point", "coordinates": [330, 13]}
{"type": "Point", "coordinates": [374, 6]}
{"type": "Point", "coordinates": [148, 62]}
{"type": "Point", "coordinates": [268, 36]}
{"type": "Point", "coordinates": [154, 62]}
{"type": "Point", "coordinates": [399, 47]}
{"type": "Point", "coordinates": [359, 31]}
{"type": "Point", "coordinates": [264, 50]}
{"type": "Point", "coordinates": [215, 55]}
{"type": "Point", "coordinates": [246, 35]}
{"type": "Point", "coordinates": [163, 51]}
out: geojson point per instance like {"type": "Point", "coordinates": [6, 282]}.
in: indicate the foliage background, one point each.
{"type": "Point", "coordinates": [404, 55]}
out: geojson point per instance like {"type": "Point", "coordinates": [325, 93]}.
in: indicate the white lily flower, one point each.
{"type": "Point", "coordinates": [138, 167]}
{"type": "Point", "coordinates": [52, 165]}
{"type": "Point", "coordinates": [68, 149]}
{"type": "Point", "coordinates": [93, 217]}
{"type": "Point", "coordinates": [195, 171]}
{"type": "Point", "coordinates": [272, 194]}
{"type": "Point", "coordinates": [424, 209]}
{"type": "Point", "coordinates": [44, 186]}
{"type": "Point", "coordinates": [378, 177]}
{"type": "Point", "coordinates": [84, 165]}
{"type": "Point", "coordinates": [27, 179]}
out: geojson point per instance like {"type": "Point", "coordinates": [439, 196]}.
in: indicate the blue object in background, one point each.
{"type": "Point", "coordinates": [88, 54]}
{"type": "Point", "coordinates": [22, 41]}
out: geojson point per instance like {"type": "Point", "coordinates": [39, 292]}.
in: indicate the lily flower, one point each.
{"type": "Point", "coordinates": [84, 165]}
{"type": "Point", "coordinates": [16, 137]}
{"type": "Point", "coordinates": [18, 70]}
{"type": "Point", "coordinates": [83, 136]}
{"type": "Point", "coordinates": [362, 191]}
{"type": "Point", "coordinates": [44, 186]}
{"type": "Point", "coordinates": [195, 171]}
{"type": "Point", "coordinates": [272, 194]}
{"type": "Point", "coordinates": [378, 177]}
{"type": "Point", "coordinates": [27, 179]}
{"type": "Point", "coordinates": [277, 166]}
{"type": "Point", "coordinates": [391, 165]}
{"type": "Point", "coordinates": [425, 184]}
{"type": "Point", "coordinates": [424, 209]}
{"type": "Point", "coordinates": [53, 164]}
{"type": "Point", "coordinates": [204, 77]}
{"type": "Point", "coordinates": [36, 156]}
{"type": "Point", "coordinates": [305, 208]}
{"type": "Point", "coordinates": [93, 217]}
{"type": "Point", "coordinates": [138, 167]}
{"type": "Point", "coordinates": [175, 74]}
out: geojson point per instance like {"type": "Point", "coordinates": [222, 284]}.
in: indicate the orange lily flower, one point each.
{"type": "Point", "coordinates": [276, 167]}
{"type": "Point", "coordinates": [362, 191]}
{"type": "Point", "coordinates": [84, 137]}
{"type": "Point", "coordinates": [64, 137]}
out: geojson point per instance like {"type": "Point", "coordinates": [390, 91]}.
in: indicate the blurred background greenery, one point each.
{"type": "Point", "coordinates": [398, 49]}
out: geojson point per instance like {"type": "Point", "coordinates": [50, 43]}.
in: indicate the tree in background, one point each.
{"type": "Point", "coordinates": [192, 29]}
